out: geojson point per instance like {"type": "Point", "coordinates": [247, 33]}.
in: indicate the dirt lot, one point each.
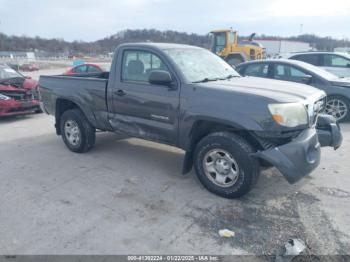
{"type": "Point", "coordinates": [128, 196]}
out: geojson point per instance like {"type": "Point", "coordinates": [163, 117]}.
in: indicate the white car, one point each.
{"type": "Point", "coordinates": [336, 63]}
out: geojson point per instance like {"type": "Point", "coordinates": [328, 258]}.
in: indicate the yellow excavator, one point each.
{"type": "Point", "coordinates": [225, 44]}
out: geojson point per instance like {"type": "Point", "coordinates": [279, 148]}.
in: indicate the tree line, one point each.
{"type": "Point", "coordinates": [108, 44]}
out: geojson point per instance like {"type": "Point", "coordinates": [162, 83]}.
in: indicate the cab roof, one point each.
{"type": "Point", "coordinates": [161, 46]}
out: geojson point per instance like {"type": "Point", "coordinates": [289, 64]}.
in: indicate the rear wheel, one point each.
{"type": "Point", "coordinates": [224, 166]}
{"type": "Point", "coordinates": [77, 133]}
{"type": "Point", "coordinates": [338, 107]}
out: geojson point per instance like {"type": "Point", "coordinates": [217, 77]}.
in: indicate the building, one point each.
{"type": "Point", "coordinates": [15, 55]}
{"type": "Point", "coordinates": [277, 46]}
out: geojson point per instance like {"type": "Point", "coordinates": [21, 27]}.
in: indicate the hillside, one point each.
{"type": "Point", "coordinates": [108, 44]}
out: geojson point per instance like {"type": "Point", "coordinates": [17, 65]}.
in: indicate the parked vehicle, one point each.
{"type": "Point", "coordinates": [336, 63]}
{"type": "Point", "coordinates": [336, 88]}
{"type": "Point", "coordinates": [14, 66]}
{"type": "Point", "coordinates": [28, 67]}
{"type": "Point", "coordinates": [18, 94]}
{"type": "Point", "coordinates": [225, 44]}
{"type": "Point", "coordinates": [84, 69]}
{"type": "Point", "coordinates": [190, 98]}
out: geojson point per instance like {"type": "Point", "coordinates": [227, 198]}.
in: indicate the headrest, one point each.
{"type": "Point", "coordinates": [135, 67]}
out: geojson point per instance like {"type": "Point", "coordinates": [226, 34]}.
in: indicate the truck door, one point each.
{"type": "Point", "coordinates": [142, 109]}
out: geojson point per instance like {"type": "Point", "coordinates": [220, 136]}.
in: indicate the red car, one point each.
{"type": "Point", "coordinates": [28, 67]}
{"type": "Point", "coordinates": [18, 94]}
{"type": "Point", "coordinates": [84, 69]}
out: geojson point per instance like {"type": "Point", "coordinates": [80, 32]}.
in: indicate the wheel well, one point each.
{"type": "Point", "coordinates": [62, 105]}
{"type": "Point", "coordinates": [339, 95]}
{"type": "Point", "coordinates": [203, 128]}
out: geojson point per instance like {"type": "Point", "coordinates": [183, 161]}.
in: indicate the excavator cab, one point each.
{"type": "Point", "coordinates": [221, 40]}
{"type": "Point", "coordinates": [225, 44]}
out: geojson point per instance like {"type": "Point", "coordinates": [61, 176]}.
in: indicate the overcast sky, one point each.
{"type": "Point", "coordinates": [91, 19]}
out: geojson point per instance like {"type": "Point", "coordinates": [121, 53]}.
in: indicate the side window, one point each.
{"type": "Point", "coordinates": [288, 73]}
{"type": "Point", "coordinates": [335, 61]}
{"type": "Point", "coordinates": [80, 69]}
{"type": "Point", "coordinates": [137, 66]}
{"type": "Point", "coordinates": [93, 69]}
{"type": "Point", "coordinates": [219, 42]}
{"type": "Point", "coordinates": [258, 70]}
{"type": "Point", "coordinates": [309, 58]}
{"type": "Point", "coordinates": [231, 37]}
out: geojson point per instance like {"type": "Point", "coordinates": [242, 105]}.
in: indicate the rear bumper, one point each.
{"type": "Point", "coordinates": [302, 155]}
{"type": "Point", "coordinates": [12, 107]}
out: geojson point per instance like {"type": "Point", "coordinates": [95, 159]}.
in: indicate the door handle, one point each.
{"type": "Point", "coordinates": [120, 92]}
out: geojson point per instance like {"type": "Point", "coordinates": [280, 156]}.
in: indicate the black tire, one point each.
{"type": "Point", "coordinates": [240, 150]}
{"type": "Point", "coordinates": [86, 131]}
{"type": "Point", "coordinates": [38, 111]}
{"type": "Point", "coordinates": [342, 100]}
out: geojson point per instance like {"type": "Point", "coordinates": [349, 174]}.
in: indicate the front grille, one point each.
{"type": "Point", "coordinates": [19, 96]}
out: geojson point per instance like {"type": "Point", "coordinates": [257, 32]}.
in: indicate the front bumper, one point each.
{"type": "Point", "coordinates": [302, 155]}
{"type": "Point", "coordinates": [13, 107]}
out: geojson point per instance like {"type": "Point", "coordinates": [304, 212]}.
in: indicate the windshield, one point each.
{"type": "Point", "coordinates": [200, 64]}
{"type": "Point", "coordinates": [7, 72]}
{"type": "Point", "coordinates": [345, 55]}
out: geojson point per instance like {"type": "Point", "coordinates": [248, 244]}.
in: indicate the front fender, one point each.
{"type": "Point", "coordinates": [238, 122]}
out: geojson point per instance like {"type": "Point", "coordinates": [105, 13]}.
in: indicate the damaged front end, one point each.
{"type": "Point", "coordinates": [301, 155]}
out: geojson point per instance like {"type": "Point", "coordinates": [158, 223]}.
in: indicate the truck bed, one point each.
{"type": "Point", "coordinates": [89, 89]}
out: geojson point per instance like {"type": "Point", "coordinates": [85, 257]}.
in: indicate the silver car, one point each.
{"type": "Point", "coordinates": [336, 88]}
{"type": "Point", "coordinates": [336, 63]}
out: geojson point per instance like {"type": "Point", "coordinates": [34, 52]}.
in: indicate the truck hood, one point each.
{"type": "Point", "coordinates": [280, 91]}
{"type": "Point", "coordinates": [19, 85]}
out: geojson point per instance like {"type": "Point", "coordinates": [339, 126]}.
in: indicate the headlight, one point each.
{"type": "Point", "coordinates": [3, 97]}
{"type": "Point", "coordinates": [289, 114]}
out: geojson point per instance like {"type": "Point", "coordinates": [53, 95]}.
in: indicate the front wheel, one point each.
{"type": "Point", "coordinates": [224, 164]}
{"type": "Point", "coordinates": [338, 107]}
{"type": "Point", "coordinates": [77, 133]}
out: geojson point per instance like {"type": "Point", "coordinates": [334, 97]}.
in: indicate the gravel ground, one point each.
{"type": "Point", "coordinates": [128, 196]}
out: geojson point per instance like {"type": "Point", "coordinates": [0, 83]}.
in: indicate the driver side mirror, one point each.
{"type": "Point", "coordinates": [160, 77]}
{"type": "Point", "coordinates": [307, 79]}
{"type": "Point", "coordinates": [348, 65]}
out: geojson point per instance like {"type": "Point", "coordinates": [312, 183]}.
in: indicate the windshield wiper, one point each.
{"type": "Point", "coordinates": [204, 80]}
{"type": "Point", "coordinates": [229, 77]}
{"type": "Point", "coordinates": [215, 79]}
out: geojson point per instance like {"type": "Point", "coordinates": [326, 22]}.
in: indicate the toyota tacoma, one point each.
{"type": "Point", "coordinates": [229, 126]}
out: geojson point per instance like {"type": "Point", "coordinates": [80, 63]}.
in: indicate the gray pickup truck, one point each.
{"type": "Point", "coordinates": [229, 126]}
